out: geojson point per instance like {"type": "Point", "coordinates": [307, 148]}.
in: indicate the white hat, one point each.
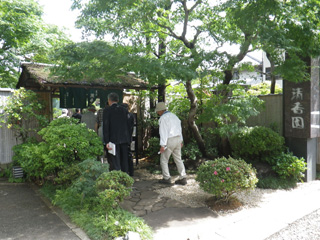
{"type": "Point", "coordinates": [160, 106]}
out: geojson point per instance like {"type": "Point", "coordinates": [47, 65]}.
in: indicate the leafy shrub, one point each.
{"type": "Point", "coordinates": [112, 187]}
{"type": "Point", "coordinates": [29, 156]}
{"type": "Point", "coordinates": [272, 182]}
{"type": "Point", "coordinates": [119, 222]}
{"type": "Point", "coordinates": [65, 143]}
{"type": "Point", "coordinates": [92, 201]}
{"type": "Point", "coordinates": [191, 151]}
{"type": "Point", "coordinates": [263, 88]}
{"type": "Point", "coordinates": [21, 108]}
{"type": "Point", "coordinates": [179, 103]}
{"type": "Point", "coordinates": [256, 144]}
{"type": "Point", "coordinates": [89, 171]}
{"type": "Point", "coordinates": [223, 177]}
{"type": "Point", "coordinates": [229, 113]}
{"type": "Point", "coordinates": [154, 146]}
{"type": "Point", "coordinates": [67, 175]}
{"type": "Point", "coordinates": [289, 166]}
{"type": "Point", "coordinates": [153, 149]}
{"type": "Point", "coordinates": [212, 141]}
{"type": "Point", "coordinates": [68, 142]}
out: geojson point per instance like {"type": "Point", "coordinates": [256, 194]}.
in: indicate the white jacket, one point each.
{"type": "Point", "coordinates": [169, 126]}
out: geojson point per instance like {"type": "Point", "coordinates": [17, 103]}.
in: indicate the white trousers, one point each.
{"type": "Point", "coordinates": [174, 148]}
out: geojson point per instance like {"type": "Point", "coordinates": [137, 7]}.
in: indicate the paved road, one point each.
{"type": "Point", "coordinates": [24, 215]}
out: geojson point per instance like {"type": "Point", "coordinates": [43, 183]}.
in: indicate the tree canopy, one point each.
{"type": "Point", "coordinates": [24, 37]}
{"type": "Point", "coordinates": [195, 33]}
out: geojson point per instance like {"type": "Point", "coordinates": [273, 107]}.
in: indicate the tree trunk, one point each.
{"type": "Point", "coordinates": [191, 118]}
{"type": "Point", "coordinates": [161, 93]}
{"type": "Point", "coordinates": [227, 77]}
{"type": "Point", "coordinates": [273, 84]}
{"type": "Point", "coordinates": [273, 77]}
{"type": "Point", "coordinates": [162, 85]}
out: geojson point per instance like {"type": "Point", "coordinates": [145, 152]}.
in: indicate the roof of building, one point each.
{"type": "Point", "coordinates": [37, 76]}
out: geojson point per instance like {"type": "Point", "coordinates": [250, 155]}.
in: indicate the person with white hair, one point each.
{"type": "Point", "coordinates": [64, 113]}
{"type": "Point", "coordinates": [171, 141]}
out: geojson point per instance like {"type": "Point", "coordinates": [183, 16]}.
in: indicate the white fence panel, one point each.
{"type": "Point", "coordinates": [7, 137]}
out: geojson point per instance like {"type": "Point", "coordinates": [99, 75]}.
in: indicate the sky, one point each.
{"type": "Point", "coordinates": [58, 12]}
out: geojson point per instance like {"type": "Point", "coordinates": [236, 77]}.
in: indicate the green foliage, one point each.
{"type": "Point", "coordinates": [119, 222]}
{"type": "Point", "coordinates": [82, 187]}
{"type": "Point", "coordinates": [21, 109]}
{"type": "Point", "coordinates": [68, 142]}
{"type": "Point", "coordinates": [191, 151]}
{"type": "Point", "coordinates": [223, 177]}
{"type": "Point", "coordinates": [19, 21]}
{"type": "Point", "coordinates": [179, 103]}
{"type": "Point", "coordinates": [112, 187]}
{"type": "Point", "coordinates": [116, 224]}
{"type": "Point", "coordinates": [67, 175]}
{"type": "Point", "coordinates": [95, 56]}
{"type": "Point", "coordinates": [92, 200]}
{"type": "Point", "coordinates": [95, 185]}
{"type": "Point", "coordinates": [153, 149]}
{"type": "Point", "coordinates": [272, 182]}
{"type": "Point", "coordinates": [24, 37]}
{"type": "Point", "coordinates": [81, 193]}
{"type": "Point", "coordinates": [289, 166]}
{"type": "Point", "coordinates": [30, 157]}
{"type": "Point", "coordinates": [229, 113]}
{"type": "Point", "coordinates": [212, 141]}
{"type": "Point", "coordinates": [256, 144]}
{"type": "Point", "coordinates": [65, 142]}
{"type": "Point", "coordinates": [263, 89]}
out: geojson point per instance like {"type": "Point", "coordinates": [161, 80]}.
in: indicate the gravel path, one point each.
{"type": "Point", "coordinates": [306, 228]}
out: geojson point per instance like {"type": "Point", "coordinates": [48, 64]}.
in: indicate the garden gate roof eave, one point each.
{"type": "Point", "coordinates": [37, 76]}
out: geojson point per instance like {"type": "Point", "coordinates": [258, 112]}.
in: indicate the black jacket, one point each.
{"type": "Point", "coordinates": [116, 125]}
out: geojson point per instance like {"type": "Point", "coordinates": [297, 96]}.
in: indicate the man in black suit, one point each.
{"type": "Point", "coordinates": [116, 130]}
{"type": "Point", "coordinates": [131, 125]}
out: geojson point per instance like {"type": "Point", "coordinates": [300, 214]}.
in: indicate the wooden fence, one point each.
{"type": "Point", "coordinates": [272, 115]}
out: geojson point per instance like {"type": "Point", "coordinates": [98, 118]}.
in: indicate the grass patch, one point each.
{"type": "Point", "coordinates": [276, 183]}
{"type": "Point", "coordinates": [98, 224]}
{"type": "Point", "coordinates": [49, 191]}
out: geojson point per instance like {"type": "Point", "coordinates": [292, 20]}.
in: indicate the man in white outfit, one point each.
{"type": "Point", "coordinates": [171, 142]}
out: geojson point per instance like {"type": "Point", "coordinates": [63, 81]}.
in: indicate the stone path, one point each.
{"type": "Point", "coordinates": [144, 200]}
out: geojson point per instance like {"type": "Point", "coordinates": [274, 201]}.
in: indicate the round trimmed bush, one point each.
{"type": "Point", "coordinates": [223, 177]}
{"type": "Point", "coordinates": [289, 166]}
{"type": "Point", "coordinates": [113, 187]}
{"type": "Point", "coordinates": [256, 144]}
